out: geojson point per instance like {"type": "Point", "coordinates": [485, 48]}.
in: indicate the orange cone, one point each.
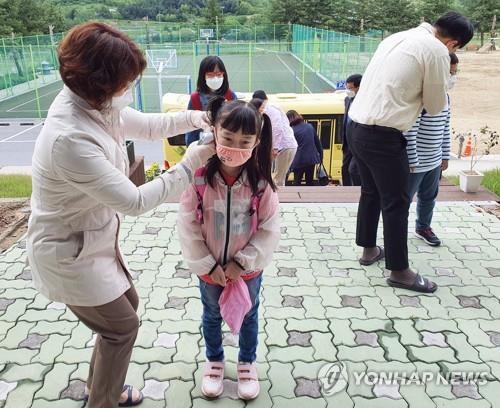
{"type": "Point", "coordinates": [468, 147]}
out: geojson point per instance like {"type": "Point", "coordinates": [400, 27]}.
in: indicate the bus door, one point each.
{"type": "Point", "coordinates": [327, 128]}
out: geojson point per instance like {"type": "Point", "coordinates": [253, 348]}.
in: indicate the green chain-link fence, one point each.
{"type": "Point", "coordinates": [276, 58]}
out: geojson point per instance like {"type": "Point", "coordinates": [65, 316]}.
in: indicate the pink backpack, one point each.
{"type": "Point", "coordinates": [200, 186]}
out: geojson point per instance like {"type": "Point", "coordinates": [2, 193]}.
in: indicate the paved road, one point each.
{"type": "Point", "coordinates": [17, 141]}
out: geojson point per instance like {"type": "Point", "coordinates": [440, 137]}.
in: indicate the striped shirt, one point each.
{"type": "Point", "coordinates": [429, 141]}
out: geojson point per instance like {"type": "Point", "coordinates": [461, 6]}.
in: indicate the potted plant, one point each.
{"type": "Point", "coordinates": [470, 179]}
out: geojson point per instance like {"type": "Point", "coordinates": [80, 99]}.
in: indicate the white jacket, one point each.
{"type": "Point", "coordinates": [80, 187]}
{"type": "Point", "coordinates": [226, 232]}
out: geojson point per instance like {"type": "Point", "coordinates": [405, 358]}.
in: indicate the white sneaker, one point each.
{"type": "Point", "coordinates": [212, 384]}
{"type": "Point", "coordinates": [248, 381]}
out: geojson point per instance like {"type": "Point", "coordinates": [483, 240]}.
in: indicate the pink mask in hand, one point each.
{"type": "Point", "coordinates": [233, 157]}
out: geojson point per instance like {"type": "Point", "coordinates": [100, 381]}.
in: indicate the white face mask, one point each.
{"type": "Point", "coordinates": [452, 81]}
{"type": "Point", "coordinates": [122, 101]}
{"type": "Point", "coordinates": [214, 83]}
{"type": "Point", "coordinates": [350, 93]}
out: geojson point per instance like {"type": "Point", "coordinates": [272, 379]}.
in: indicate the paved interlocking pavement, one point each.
{"type": "Point", "coordinates": [319, 306]}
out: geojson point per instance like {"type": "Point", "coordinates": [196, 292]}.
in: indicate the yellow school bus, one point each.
{"type": "Point", "coordinates": [325, 111]}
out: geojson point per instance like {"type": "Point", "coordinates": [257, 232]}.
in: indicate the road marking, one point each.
{"type": "Point", "coordinates": [31, 100]}
{"type": "Point", "coordinates": [22, 132]}
{"type": "Point", "coordinates": [18, 141]}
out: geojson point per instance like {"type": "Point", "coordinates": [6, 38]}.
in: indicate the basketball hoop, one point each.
{"type": "Point", "coordinates": [160, 60]}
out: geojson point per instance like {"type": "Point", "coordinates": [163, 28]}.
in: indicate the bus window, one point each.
{"type": "Point", "coordinates": [339, 119]}
{"type": "Point", "coordinates": [179, 140]}
{"type": "Point", "coordinates": [326, 134]}
{"type": "Point", "coordinates": [314, 124]}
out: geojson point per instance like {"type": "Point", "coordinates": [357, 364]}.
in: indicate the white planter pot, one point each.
{"type": "Point", "coordinates": [470, 183]}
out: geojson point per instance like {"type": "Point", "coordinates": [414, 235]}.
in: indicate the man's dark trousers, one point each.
{"type": "Point", "coordinates": [380, 154]}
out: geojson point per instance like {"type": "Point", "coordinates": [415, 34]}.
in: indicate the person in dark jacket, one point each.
{"type": "Point", "coordinates": [350, 174]}
{"type": "Point", "coordinates": [309, 150]}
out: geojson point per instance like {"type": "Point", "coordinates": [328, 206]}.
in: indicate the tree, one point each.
{"type": "Point", "coordinates": [315, 13]}
{"type": "Point", "coordinates": [284, 11]}
{"type": "Point", "coordinates": [212, 12]}
{"type": "Point", "coordinates": [28, 17]}
{"type": "Point", "coordinates": [366, 14]}
{"type": "Point", "coordinates": [341, 18]}
{"type": "Point", "coordinates": [103, 12]}
{"type": "Point", "coordinates": [431, 10]}
{"type": "Point", "coordinates": [245, 8]}
{"type": "Point", "coordinates": [481, 12]}
{"type": "Point", "coordinates": [398, 15]}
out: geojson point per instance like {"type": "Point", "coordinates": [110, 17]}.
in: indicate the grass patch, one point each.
{"type": "Point", "coordinates": [15, 186]}
{"type": "Point", "coordinates": [491, 180]}
{"type": "Point", "coordinates": [453, 179]}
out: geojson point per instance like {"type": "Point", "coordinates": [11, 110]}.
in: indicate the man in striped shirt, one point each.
{"type": "Point", "coordinates": [428, 148]}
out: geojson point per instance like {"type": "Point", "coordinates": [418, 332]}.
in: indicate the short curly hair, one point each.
{"type": "Point", "coordinates": [96, 61]}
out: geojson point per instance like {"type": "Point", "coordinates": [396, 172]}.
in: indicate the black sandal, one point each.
{"type": "Point", "coordinates": [421, 285]}
{"type": "Point", "coordinates": [129, 402]}
{"type": "Point", "coordinates": [368, 262]}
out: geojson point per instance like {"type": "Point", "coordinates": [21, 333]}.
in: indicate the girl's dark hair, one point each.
{"type": "Point", "coordinates": [453, 58]}
{"type": "Point", "coordinates": [239, 115]}
{"type": "Point", "coordinates": [294, 117]}
{"type": "Point", "coordinates": [208, 64]}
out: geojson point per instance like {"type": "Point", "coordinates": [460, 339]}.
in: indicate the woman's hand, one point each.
{"type": "Point", "coordinates": [197, 155]}
{"type": "Point", "coordinates": [232, 271]}
{"type": "Point", "coordinates": [218, 276]}
{"type": "Point", "coordinates": [199, 119]}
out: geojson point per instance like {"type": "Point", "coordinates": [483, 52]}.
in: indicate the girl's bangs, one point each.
{"type": "Point", "coordinates": [241, 118]}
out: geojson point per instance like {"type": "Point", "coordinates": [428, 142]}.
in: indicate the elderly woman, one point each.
{"type": "Point", "coordinates": [81, 189]}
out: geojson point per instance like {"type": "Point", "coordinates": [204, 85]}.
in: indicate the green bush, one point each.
{"type": "Point", "coordinates": [152, 171]}
{"type": "Point", "coordinates": [15, 79]}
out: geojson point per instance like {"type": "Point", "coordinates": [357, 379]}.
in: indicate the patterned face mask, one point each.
{"type": "Point", "coordinates": [232, 156]}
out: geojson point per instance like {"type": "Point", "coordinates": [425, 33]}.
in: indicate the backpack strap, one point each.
{"type": "Point", "coordinates": [228, 96]}
{"type": "Point", "coordinates": [200, 186]}
{"type": "Point", "coordinates": [196, 101]}
{"type": "Point", "coordinates": [254, 206]}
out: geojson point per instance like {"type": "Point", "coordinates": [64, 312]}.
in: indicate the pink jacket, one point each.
{"type": "Point", "coordinates": [204, 245]}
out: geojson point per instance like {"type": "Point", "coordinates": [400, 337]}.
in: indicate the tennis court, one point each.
{"type": "Point", "coordinates": [272, 71]}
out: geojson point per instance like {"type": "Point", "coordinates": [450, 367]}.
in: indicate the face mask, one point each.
{"type": "Point", "coordinates": [214, 83]}
{"type": "Point", "coordinates": [350, 93]}
{"type": "Point", "coordinates": [122, 101]}
{"type": "Point", "coordinates": [231, 156]}
{"type": "Point", "coordinates": [452, 81]}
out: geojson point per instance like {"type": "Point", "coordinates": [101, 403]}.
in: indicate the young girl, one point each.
{"type": "Point", "coordinates": [212, 81]}
{"type": "Point", "coordinates": [229, 228]}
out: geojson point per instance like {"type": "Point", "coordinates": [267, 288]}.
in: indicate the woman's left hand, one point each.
{"type": "Point", "coordinates": [232, 271]}
{"type": "Point", "coordinates": [199, 119]}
